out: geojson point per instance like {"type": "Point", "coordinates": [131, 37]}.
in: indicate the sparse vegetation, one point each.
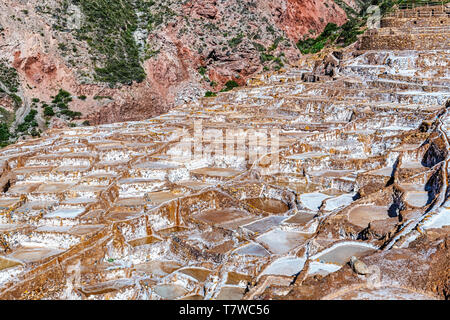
{"type": "Point", "coordinates": [108, 29]}
{"type": "Point", "coordinates": [229, 85]}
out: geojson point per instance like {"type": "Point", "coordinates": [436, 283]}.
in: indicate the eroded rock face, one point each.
{"type": "Point", "coordinates": [265, 191]}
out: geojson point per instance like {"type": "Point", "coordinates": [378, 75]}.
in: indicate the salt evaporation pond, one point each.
{"type": "Point", "coordinates": [286, 266]}
{"type": "Point", "coordinates": [341, 253]}
{"type": "Point", "coordinates": [314, 200]}
{"type": "Point", "coordinates": [68, 213]}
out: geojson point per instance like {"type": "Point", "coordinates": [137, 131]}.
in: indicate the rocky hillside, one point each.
{"type": "Point", "coordinates": [80, 62]}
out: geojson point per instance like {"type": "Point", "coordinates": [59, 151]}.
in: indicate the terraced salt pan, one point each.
{"type": "Point", "coordinates": [157, 165]}
{"type": "Point", "coordinates": [216, 172]}
{"type": "Point", "coordinates": [396, 128]}
{"type": "Point", "coordinates": [106, 287]}
{"type": "Point", "coordinates": [157, 268]}
{"type": "Point", "coordinates": [330, 173]}
{"type": "Point", "coordinates": [54, 187]}
{"type": "Point", "coordinates": [80, 200]}
{"type": "Point", "coordinates": [195, 185]}
{"type": "Point", "coordinates": [221, 216]}
{"type": "Point", "coordinates": [196, 273]}
{"type": "Point", "coordinates": [6, 263]}
{"type": "Point", "coordinates": [7, 202]}
{"type": "Point", "coordinates": [386, 172]}
{"type": "Point", "coordinates": [300, 218]}
{"type": "Point", "coordinates": [230, 293]}
{"type": "Point", "coordinates": [412, 165]}
{"type": "Point", "coordinates": [159, 197]}
{"type": "Point", "coordinates": [139, 187]}
{"type": "Point", "coordinates": [341, 253]}
{"type": "Point", "coordinates": [23, 188]}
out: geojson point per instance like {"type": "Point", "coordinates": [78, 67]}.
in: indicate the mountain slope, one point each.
{"type": "Point", "coordinates": [128, 60]}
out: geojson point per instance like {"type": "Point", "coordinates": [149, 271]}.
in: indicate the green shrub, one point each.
{"type": "Point", "coordinates": [108, 29]}
{"type": "Point", "coordinates": [48, 111]}
{"type": "Point", "coordinates": [230, 85]}
{"type": "Point", "coordinates": [4, 132]}
{"type": "Point", "coordinates": [30, 116]}
{"type": "Point", "coordinates": [314, 45]}
{"type": "Point", "coordinates": [202, 71]}
{"type": "Point", "coordinates": [236, 41]}
{"type": "Point", "coordinates": [62, 96]}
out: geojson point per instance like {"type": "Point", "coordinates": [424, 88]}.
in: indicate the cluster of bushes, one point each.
{"type": "Point", "coordinates": [153, 14]}
{"type": "Point", "coordinates": [61, 103]}
{"type": "Point", "coordinates": [29, 122]}
{"type": "Point", "coordinates": [209, 94]}
{"type": "Point", "coordinates": [313, 45]}
{"type": "Point", "coordinates": [229, 85]}
{"type": "Point", "coordinates": [4, 135]}
{"type": "Point", "coordinates": [10, 79]}
{"type": "Point", "coordinates": [108, 29]}
{"type": "Point", "coordinates": [266, 55]}
{"type": "Point", "coordinates": [348, 32]}
{"type": "Point", "coordinates": [333, 34]}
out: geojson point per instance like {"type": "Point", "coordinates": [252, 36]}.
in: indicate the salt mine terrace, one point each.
{"type": "Point", "coordinates": [360, 168]}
